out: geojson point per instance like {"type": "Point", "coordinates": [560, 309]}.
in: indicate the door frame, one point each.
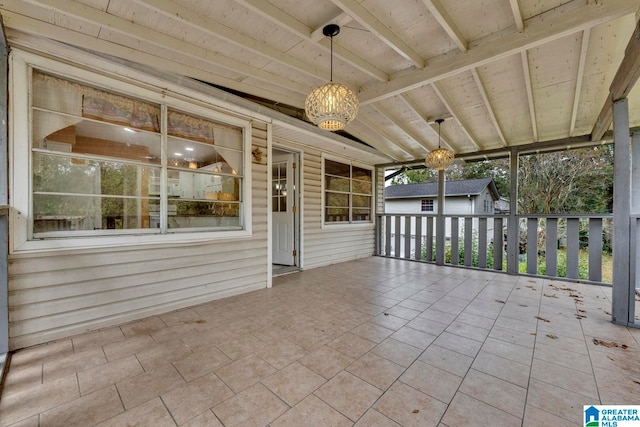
{"type": "Point", "coordinates": [297, 199]}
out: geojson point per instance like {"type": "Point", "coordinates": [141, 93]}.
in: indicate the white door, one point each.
{"type": "Point", "coordinates": [283, 209]}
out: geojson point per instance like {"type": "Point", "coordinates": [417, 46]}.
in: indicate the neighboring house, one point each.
{"type": "Point", "coordinates": [463, 197]}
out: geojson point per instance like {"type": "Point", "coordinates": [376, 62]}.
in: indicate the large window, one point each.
{"type": "Point", "coordinates": [104, 163]}
{"type": "Point", "coordinates": [348, 193]}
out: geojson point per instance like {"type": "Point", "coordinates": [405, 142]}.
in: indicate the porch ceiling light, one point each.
{"type": "Point", "coordinates": [441, 158]}
{"type": "Point", "coordinates": [331, 106]}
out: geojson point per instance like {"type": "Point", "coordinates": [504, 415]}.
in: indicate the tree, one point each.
{"type": "Point", "coordinates": [571, 181]}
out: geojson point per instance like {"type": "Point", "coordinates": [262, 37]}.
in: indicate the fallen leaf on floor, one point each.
{"type": "Point", "coordinates": [637, 382]}
{"type": "Point", "coordinates": [582, 311]}
{"type": "Point", "coordinates": [609, 344]}
{"type": "Point", "coordinates": [606, 312]}
{"type": "Point", "coordinates": [533, 333]}
{"type": "Point", "coordinates": [550, 295]}
{"type": "Point", "coordinates": [386, 314]}
{"type": "Point", "coordinates": [568, 289]}
{"type": "Point", "coordinates": [610, 358]}
{"type": "Point", "coordinates": [575, 296]}
{"type": "Point", "coordinates": [530, 287]}
{"type": "Point", "coordinates": [580, 316]}
{"type": "Point", "coordinates": [416, 411]}
{"type": "Point", "coordinates": [542, 318]}
{"type": "Point", "coordinates": [532, 281]}
{"type": "Point", "coordinates": [500, 301]}
{"type": "Point", "coordinates": [522, 305]}
{"type": "Point", "coordinates": [553, 337]}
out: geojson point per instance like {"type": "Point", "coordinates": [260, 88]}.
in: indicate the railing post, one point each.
{"type": "Point", "coordinates": [440, 221]}
{"type": "Point", "coordinates": [623, 299]}
{"type": "Point", "coordinates": [513, 227]}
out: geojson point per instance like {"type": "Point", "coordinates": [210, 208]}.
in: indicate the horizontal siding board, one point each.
{"type": "Point", "coordinates": [25, 340]}
{"type": "Point", "coordinates": [208, 283]}
{"type": "Point", "coordinates": [66, 290]}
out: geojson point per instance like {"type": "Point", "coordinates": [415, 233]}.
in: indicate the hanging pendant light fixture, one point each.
{"type": "Point", "coordinates": [331, 106]}
{"type": "Point", "coordinates": [441, 158]}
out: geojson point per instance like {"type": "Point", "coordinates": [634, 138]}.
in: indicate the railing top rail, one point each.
{"type": "Point", "coordinates": [533, 216]}
{"type": "Point", "coordinates": [560, 216]}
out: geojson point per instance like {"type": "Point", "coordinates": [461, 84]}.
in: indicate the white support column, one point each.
{"type": "Point", "coordinates": [623, 301]}
{"type": "Point", "coordinates": [513, 230]}
{"type": "Point", "coordinates": [440, 229]}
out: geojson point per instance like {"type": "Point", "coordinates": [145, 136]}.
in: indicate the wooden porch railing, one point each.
{"type": "Point", "coordinates": [563, 246]}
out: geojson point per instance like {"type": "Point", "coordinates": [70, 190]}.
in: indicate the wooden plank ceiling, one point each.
{"type": "Point", "coordinates": [502, 73]}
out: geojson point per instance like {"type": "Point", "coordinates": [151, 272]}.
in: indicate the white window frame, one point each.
{"type": "Point", "coordinates": [20, 177]}
{"type": "Point", "coordinates": [347, 224]}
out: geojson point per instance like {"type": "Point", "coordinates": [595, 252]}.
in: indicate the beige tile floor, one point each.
{"type": "Point", "coordinates": [374, 342]}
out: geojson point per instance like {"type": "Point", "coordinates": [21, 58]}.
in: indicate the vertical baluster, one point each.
{"type": "Point", "coordinates": [429, 242]}
{"type": "Point", "coordinates": [497, 243]}
{"type": "Point", "coordinates": [532, 245]}
{"type": "Point", "coordinates": [468, 241]}
{"type": "Point", "coordinates": [573, 247]}
{"type": "Point", "coordinates": [551, 247]}
{"type": "Point", "coordinates": [387, 234]}
{"type": "Point", "coordinates": [595, 249]}
{"type": "Point", "coordinates": [418, 254]}
{"type": "Point", "coordinates": [407, 237]}
{"type": "Point", "coordinates": [482, 242]}
{"type": "Point", "coordinates": [397, 240]}
{"type": "Point", "coordinates": [454, 240]}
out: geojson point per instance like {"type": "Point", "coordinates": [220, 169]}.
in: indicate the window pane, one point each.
{"type": "Point", "coordinates": [58, 174]}
{"type": "Point", "coordinates": [76, 99]}
{"type": "Point", "coordinates": [362, 187]}
{"type": "Point", "coordinates": [361, 174]}
{"type": "Point", "coordinates": [361, 201]}
{"type": "Point", "coordinates": [361, 215]}
{"type": "Point", "coordinates": [197, 214]}
{"type": "Point", "coordinates": [337, 200]}
{"type": "Point", "coordinates": [55, 212]}
{"type": "Point", "coordinates": [202, 143]}
{"type": "Point", "coordinates": [337, 184]}
{"type": "Point", "coordinates": [336, 215]}
{"type": "Point", "coordinates": [54, 132]}
{"type": "Point", "coordinates": [335, 168]}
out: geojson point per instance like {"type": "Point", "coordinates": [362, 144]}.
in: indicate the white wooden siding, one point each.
{"type": "Point", "coordinates": [53, 294]}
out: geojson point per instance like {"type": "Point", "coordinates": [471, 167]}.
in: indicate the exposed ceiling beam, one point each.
{"type": "Point", "coordinates": [532, 106]}
{"type": "Point", "coordinates": [488, 106]}
{"type": "Point", "coordinates": [341, 20]}
{"type": "Point", "coordinates": [428, 121]}
{"type": "Point", "coordinates": [439, 90]}
{"type": "Point", "coordinates": [577, 15]}
{"type": "Point", "coordinates": [379, 140]}
{"type": "Point", "coordinates": [24, 24]}
{"type": "Point", "coordinates": [375, 26]}
{"type": "Point", "coordinates": [291, 24]}
{"type": "Point", "coordinates": [624, 80]}
{"type": "Point", "coordinates": [445, 21]}
{"type": "Point", "coordinates": [161, 40]}
{"type": "Point", "coordinates": [403, 126]}
{"type": "Point", "coordinates": [517, 14]}
{"type": "Point", "coordinates": [579, 79]}
{"type": "Point", "coordinates": [208, 25]}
